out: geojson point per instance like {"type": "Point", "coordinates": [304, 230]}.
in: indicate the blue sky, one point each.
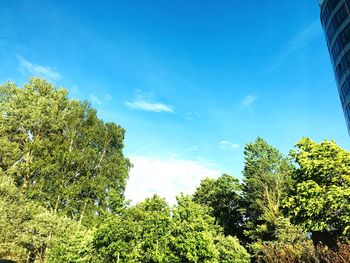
{"type": "Point", "coordinates": [191, 81]}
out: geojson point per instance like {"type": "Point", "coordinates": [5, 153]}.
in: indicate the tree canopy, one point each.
{"type": "Point", "coordinates": [224, 196]}
{"type": "Point", "coordinates": [58, 151]}
{"type": "Point", "coordinates": [151, 231]}
{"type": "Point", "coordinates": [63, 176]}
{"type": "Point", "coordinates": [320, 191]}
{"type": "Point", "coordinates": [266, 176]}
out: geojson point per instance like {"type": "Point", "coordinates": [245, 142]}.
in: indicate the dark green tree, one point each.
{"type": "Point", "coordinates": [58, 151]}
{"type": "Point", "coordinates": [224, 196]}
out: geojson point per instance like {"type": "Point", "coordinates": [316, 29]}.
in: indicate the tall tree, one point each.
{"type": "Point", "coordinates": [58, 151]}
{"type": "Point", "coordinates": [223, 195]}
{"type": "Point", "coordinates": [320, 191]}
{"type": "Point", "coordinates": [267, 174]}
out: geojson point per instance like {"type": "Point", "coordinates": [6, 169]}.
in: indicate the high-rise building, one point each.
{"type": "Point", "coordinates": [335, 19]}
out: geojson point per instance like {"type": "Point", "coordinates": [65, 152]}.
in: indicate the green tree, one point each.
{"type": "Point", "coordinates": [267, 175]}
{"type": "Point", "coordinates": [196, 238]}
{"type": "Point", "coordinates": [13, 211]}
{"type": "Point", "coordinates": [140, 234]}
{"type": "Point", "coordinates": [223, 195]}
{"type": "Point", "coordinates": [193, 234]}
{"type": "Point", "coordinates": [27, 230]}
{"type": "Point", "coordinates": [152, 232]}
{"type": "Point", "coordinates": [230, 250]}
{"type": "Point", "coordinates": [71, 243]}
{"type": "Point", "coordinates": [58, 151]}
{"type": "Point", "coordinates": [320, 191]}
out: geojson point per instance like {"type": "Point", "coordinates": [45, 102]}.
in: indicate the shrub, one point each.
{"type": "Point", "coordinates": [271, 252]}
{"type": "Point", "coordinates": [303, 252]}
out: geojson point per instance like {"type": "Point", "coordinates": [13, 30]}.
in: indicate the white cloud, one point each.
{"type": "Point", "coordinates": [46, 72]}
{"type": "Point", "coordinates": [248, 101]}
{"type": "Point", "coordinates": [95, 100]}
{"type": "Point", "coordinates": [227, 145]}
{"type": "Point", "coordinates": [141, 104]}
{"type": "Point", "coordinates": [166, 178]}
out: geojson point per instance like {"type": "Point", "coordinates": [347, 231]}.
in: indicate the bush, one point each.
{"type": "Point", "coordinates": [341, 254]}
{"type": "Point", "coordinates": [303, 252]}
{"type": "Point", "coordinates": [231, 251]}
{"type": "Point", "coordinates": [271, 252]}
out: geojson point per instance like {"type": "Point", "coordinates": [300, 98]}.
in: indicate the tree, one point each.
{"type": "Point", "coordinates": [140, 234]}
{"type": "Point", "coordinates": [196, 238]}
{"type": "Point", "coordinates": [58, 151]}
{"type": "Point", "coordinates": [223, 195]}
{"type": "Point", "coordinates": [13, 211]}
{"type": "Point", "coordinates": [194, 231]}
{"type": "Point", "coordinates": [27, 230]}
{"type": "Point", "coordinates": [152, 232]}
{"type": "Point", "coordinates": [267, 175]}
{"type": "Point", "coordinates": [320, 192]}
{"type": "Point", "coordinates": [230, 250]}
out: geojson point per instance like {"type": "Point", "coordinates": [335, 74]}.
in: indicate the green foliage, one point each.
{"type": "Point", "coordinates": [62, 181]}
{"type": "Point", "coordinates": [58, 151]}
{"type": "Point", "coordinates": [223, 195]}
{"type": "Point", "coordinates": [320, 193]}
{"type": "Point", "coordinates": [71, 243]}
{"type": "Point", "coordinates": [13, 211]}
{"type": "Point", "coordinates": [267, 175]}
{"type": "Point", "coordinates": [140, 234]}
{"type": "Point", "coordinates": [280, 252]}
{"type": "Point", "coordinates": [302, 252]}
{"type": "Point", "coordinates": [230, 250]}
{"type": "Point", "coordinates": [289, 245]}
{"type": "Point", "coordinates": [152, 232]}
{"type": "Point", "coordinates": [193, 233]}
{"type": "Point", "coordinates": [28, 230]}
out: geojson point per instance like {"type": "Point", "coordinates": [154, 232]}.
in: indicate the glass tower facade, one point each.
{"type": "Point", "coordinates": [335, 19]}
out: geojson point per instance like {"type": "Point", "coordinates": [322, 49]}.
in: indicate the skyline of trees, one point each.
{"type": "Point", "coordinates": [63, 176]}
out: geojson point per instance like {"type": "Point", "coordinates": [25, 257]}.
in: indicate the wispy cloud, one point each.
{"type": "Point", "coordinates": [298, 41]}
{"type": "Point", "coordinates": [141, 104]}
{"type": "Point", "coordinates": [303, 38]}
{"type": "Point", "coordinates": [46, 72]}
{"type": "Point", "coordinates": [95, 100]}
{"type": "Point", "coordinates": [248, 101]}
{"type": "Point", "coordinates": [192, 115]}
{"type": "Point", "coordinates": [98, 100]}
{"type": "Point", "coordinates": [166, 178]}
{"type": "Point", "coordinates": [192, 148]}
{"type": "Point", "coordinates": [74, 89]}
{"type": "Point", "coordinates": [227, 145]}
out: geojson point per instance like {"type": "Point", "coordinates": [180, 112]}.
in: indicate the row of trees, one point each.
{"type": "Point", "coordinates": [285, 200]}
{"type": "Point", "coordinates": [62, 181]}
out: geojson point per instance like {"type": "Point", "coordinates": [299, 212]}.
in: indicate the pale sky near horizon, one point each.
{"type": "Point", "coordinates": [191, 81]}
